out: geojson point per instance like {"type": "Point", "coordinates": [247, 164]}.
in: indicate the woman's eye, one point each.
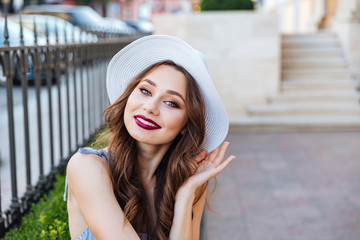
{"type": "Point", "coordinates": [146, 92]}
{"type": "Point", "coordinates": [172, 104]}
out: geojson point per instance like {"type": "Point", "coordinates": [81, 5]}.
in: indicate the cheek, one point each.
{"type": "Point", "coordinates": [183, 118]}
{"type": "Point", "coordinates": [131, 102]}
{"type": "Point", "coordinates": [179, 121]}
{"type": "Point", "coordinates": [129, 107]}
{"type": "Point", "coordinates": [126, 115]}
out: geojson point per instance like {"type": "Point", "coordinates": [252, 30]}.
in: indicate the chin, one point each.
{"type": "Point", "coordinates": [151, 139]}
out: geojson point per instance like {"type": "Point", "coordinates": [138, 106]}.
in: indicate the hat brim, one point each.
{"type": "Point", "coordinates": [146, 51]}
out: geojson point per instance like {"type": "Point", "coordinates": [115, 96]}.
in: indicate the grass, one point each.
{"type": "Point", "coordinates": [48, 218]}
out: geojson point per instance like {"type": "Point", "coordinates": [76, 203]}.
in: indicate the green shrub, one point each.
{"type": "Point", "coordinates": [208, 5]}
{"type": "Point", "coordinates": [47, 219]}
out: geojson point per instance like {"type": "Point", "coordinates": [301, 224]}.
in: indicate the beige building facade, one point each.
{"type": "Point", "coordinates": [242, 49]}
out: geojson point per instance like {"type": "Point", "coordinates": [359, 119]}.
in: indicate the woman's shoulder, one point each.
{"type": "Point", "coordinates": [83, 167]}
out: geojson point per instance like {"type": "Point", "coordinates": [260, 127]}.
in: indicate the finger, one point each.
{"type": "Point", "coordinates": [222, 152]}
{"type": "Point", "coordinates": [213, 154]}
{"type": "Point", "coordinates": [201, 156]}
{"type": "Point", "coordinates": [224, 164]}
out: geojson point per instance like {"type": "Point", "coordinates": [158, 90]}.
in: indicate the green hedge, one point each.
{"type": "Point", "coordinates": [210, 5]}
{"type": "Point", "coordinates": [47, 219]}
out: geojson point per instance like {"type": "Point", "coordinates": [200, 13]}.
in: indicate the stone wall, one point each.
{"type": "Point", "coordinates": [297, 16]}
{"type": "Point", "coordinates": [347, 26]}
{"type": "Point", "coordinates": [242, 50]}
{"type": "Point", "coordinates": [349, 35]}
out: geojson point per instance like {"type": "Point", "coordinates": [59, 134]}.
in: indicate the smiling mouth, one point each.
{"type": "Point", "coordinates": [146, 123]}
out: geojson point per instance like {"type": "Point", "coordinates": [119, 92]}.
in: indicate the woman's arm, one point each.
{"type": "Point", "coordinates": [184, 226]}
{"type": "Point", "coordinates": [90, 185]}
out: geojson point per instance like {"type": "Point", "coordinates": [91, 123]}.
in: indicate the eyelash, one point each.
{"type": "Point", "coordinates": [172, 104]}
{"type": "Point", "coordinates": [169, 103]}
{"type": "Point", "coordinates": [145, 91]}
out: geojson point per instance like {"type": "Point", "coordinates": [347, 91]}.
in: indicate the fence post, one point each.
{"type": "Point", "coordinates": [15, 205]}
{"type": "Point", "coordinates": [29, 194]}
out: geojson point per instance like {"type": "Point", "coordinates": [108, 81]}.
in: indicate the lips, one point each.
{"type": "Point", "coordinates": [146, 123]}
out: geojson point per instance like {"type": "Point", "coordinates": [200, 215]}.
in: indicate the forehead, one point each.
{"type": "Point", "coordinates": [168, 78]}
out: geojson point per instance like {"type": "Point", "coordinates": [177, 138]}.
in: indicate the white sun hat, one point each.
{"type": "Point", "coordinates": [146, 51]}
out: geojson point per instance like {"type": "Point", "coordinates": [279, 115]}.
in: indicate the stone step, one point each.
{"type": "Point", "coordinates": [286, 123]}
{"type": "Point", "coordinates": [305, 109]}
{"type": "Point", "coordinates": [312, 53]}
{"type": "Point", "coordinates": [316, 98]}
{"type": "Point", "coordinates": [314, 63]}
{"type": "Point", "coordinates": [309, 35]}
{"type": "Point", "coordinates": [323, 95]}
{"type": "Point", "coordinates": [317, 90]}
{"type": "Point", "coordinates": [319, 86]}
{"type": "Point", "coordinates": [311, 44]}
{"type": "Point", "coordinates": [291, 78]}
{"type": "Point", "coordinates": [316, 74]}
{"type": "Point", "coordinates": [306, 40]}
{"type": "Point", "coordinates": [324, 90]}
{"type": "Point", "coordinates": [321, 82]}
{"type": "Point", "coordinates": [315, 58]}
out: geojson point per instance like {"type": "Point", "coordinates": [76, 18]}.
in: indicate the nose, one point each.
{"type": "Point", "coordinates": [152, 106]}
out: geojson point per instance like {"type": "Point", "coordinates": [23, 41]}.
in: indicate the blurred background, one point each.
{"type": "Point", "coordinates": [288, 72]}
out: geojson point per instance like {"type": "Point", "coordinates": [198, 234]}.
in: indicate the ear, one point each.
{"type": "Point", "coordinates": [183, 131]}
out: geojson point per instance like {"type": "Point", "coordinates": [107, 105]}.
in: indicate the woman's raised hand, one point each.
{"type": "Point", "coordinates": [187, 216]}
{"type": "Point", "coordinates": [209, 166]}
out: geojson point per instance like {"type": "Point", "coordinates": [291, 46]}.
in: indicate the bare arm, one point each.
{"type": "Point", "coordinates": [90, 184]}
{"type": "Point", "coordinates": [184, 226]}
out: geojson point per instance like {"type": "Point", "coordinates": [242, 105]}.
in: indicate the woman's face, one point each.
{"type": "Point", "coordinates": [155, 111]}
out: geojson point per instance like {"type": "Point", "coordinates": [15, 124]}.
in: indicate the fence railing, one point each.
{"type": "Point", "coordinates": [51, 102]}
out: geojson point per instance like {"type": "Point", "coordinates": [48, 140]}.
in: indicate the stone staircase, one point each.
{"type": "Point", "coordinates": [317, 90]}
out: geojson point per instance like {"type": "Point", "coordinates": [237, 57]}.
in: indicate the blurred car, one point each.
{"type": "Point", "coordinates": [82, 16]}
{"type": "Point", "coordinates": [54, 25]}
{"type": "Point", "coordinates": [142, 26]}
{"type": "Point", "coordinates": [2, 77]}
{"type": "Point", "coordinates": [14, 34]}
{"type": "Point", "coordinates": [15, 41]}
{"type": "Point", "coordinates": [119, 24]}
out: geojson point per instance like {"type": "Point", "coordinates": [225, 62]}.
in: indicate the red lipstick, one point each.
{"type": "Point", "coordinates": [146, 123]}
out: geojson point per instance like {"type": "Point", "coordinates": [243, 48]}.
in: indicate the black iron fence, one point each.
{"type": "Point", "coordinates": [51, 103]}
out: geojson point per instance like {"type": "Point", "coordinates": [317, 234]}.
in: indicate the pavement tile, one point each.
{"type": "Point", "coordinates": [265, 223]}
{"type": "Point", "coordinates": [290, 186]}
{"type": "Point", "coordinates": [232, 227]}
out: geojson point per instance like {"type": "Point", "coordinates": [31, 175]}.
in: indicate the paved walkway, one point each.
{"type": "Point", "coordinates": [288, 186]}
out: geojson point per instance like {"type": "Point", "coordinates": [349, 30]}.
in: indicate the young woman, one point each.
{"type": "Point", "coordinates": [167, 123]}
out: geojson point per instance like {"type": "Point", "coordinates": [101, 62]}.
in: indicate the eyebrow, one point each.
{"type": "Point", "coordinates": [172, 92]}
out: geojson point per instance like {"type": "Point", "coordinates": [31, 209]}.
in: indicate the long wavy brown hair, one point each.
{"type": "Point", "coordinates": [177, 165]}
